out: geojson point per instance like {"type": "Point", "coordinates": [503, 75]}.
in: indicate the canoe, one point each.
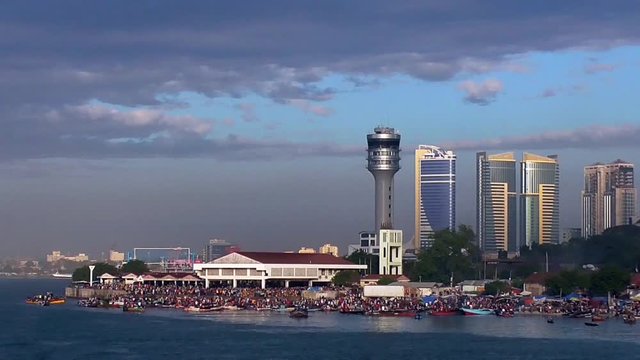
{"type": "Point", "coordinates": [468, 311]}
{"type": "Point", "coordinates": [591, 324]}
{"type": "Point", "coordinates": [198, 309]}
{"type": "Point", "coordinates": [299, 314]}
{"type": "Point", "coordinates": [56, 301]}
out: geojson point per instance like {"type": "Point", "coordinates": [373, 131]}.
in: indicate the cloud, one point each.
{"type": "Point", "coordinates": [595, 68]}
{"type": "Point", "coordinates": [482, 93]}
{"type": "Point", "coordinates": [587, 137]}
{"type": "Point", "coordinates": [248, 112]}
{"type": "Point", "coordinates": [310, 108]}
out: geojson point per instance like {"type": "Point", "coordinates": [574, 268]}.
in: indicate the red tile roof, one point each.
{"type": "Point", "coordinates": [293, 258]}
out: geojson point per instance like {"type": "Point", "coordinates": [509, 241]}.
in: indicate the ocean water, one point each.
{"type": "Point", "coordinates": [68, 332]}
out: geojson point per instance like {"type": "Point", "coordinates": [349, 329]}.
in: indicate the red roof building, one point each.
{"type": "Point", "coordinates": [260, 267]}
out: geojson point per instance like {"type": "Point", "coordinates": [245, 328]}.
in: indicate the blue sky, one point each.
{"type": "Point", "coordinates": [163, 124]}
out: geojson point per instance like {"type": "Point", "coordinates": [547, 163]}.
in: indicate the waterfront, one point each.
{"type": "Point", "coordinates": [70, 332]}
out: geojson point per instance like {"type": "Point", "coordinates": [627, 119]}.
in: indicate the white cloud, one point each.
{"type": "Point", "coordinates": [482, 93]}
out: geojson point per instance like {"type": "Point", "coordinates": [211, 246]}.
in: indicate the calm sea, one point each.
{"type": "Point", "coordinates": [68, 332]}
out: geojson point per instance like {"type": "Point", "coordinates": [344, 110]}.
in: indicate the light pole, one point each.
{"type": "Point", "coordinates": [91, 267]}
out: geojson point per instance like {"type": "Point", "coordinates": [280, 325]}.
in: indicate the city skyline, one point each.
{"type": "Point", "coordinates": [169, 124]}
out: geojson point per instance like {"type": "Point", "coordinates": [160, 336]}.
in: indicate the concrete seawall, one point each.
{"type": "Point", "coordinates": [85, 293]}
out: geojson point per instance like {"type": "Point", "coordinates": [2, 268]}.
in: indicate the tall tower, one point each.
{"type": "Point", "coordinates": [496, 203]}
{"type": "Point", "coordinates": [383, 162]}
{"type": "Point", "coordinates": [540, 200]}
{"type": "Point", "coordinates": [608, 198]}
{"type": "Point", "coordinates": [435, 193]}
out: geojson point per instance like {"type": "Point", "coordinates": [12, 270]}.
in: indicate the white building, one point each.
{"type": "Point", "coordinates": [116, 256]}
{"type": "Point", "coordinates": [367, 243]}
{"type": "Point", "coordinates": [390, 252]}
{"type": "Point", "coordinates": [270, 266]}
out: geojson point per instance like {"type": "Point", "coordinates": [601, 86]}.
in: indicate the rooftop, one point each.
{"type": "Point", "coordinates": [294, 258]}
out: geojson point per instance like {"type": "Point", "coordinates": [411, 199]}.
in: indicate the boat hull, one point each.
{"type": "Point", "coordinates": [445, 313]}
{"type": "Point", "coordinates": [478, 312]}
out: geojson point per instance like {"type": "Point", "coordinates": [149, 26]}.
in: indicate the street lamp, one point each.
{"type": "Point", "coordinates": [91, 267]}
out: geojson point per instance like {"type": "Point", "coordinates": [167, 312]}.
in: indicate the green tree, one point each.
{"type": "Point", "coordinates": [82, 274]}
{"type": "Point", "coordinates": [496, 288]}
{"type": "Point", "coordinates": [137, 267]}
{"type": "Point", "coordinates": [567, 282]}
{"type": "Point", "coordinates": [609, 279]}
{"type": "Point", "coordinates": [363, 258]}
{"type": "Point", "coordinates": [451, 254]}
{"type": "Point", "coordinates": [385, 280]}
{"type": "Point", "coordinates": [346, 278]}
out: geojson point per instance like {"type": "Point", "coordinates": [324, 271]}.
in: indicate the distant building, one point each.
{"type": "Point", "coordinates": [435, 193]}
{"type": "Point", "coordinates": [217, 248]}
{"type": "Point", "coordinates": [608, 198]}
{"type": "Point", "coordinates": [329, 249]}
{"type": "Point", "coordinates": [306, 250]}
{"type": "Point", "coordinates": [496, 203]}
{"type": "Point", "coordinates": [539, 200]}
{"type": "Point", "coordinates": [366, 243]}
{"type": "Point", "coordinates": [390, 252]}
{"type": "Point", "coordinates": [116, 256]}
{"type": "Point", "coordinates": [570, 233]}
{"type": "Point", "coordinates": [56, 256]}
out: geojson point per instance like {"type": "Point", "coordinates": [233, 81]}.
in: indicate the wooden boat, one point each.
{"type": "Point", "coordinates": [468, 311]}
{"type": "Point", "coordinates": [352, 311]}
{"type": "Point", "coordinates": [231, 308]}
{"type": "Point", "coordinates": [629, 319]}
{"type": "Point", "coordinates": [397, 313]}
{"type": "Point", "coordinates": [549, 321]}
{"type": "Point", "coordinates": [445, 313]}
{"type": "Point", "coordinates": [56, 301]}
{"type": "Point", "coordinates": [591, 324]}
{"type": "Point", "coordinates": [284, 309]}
{"type": "Point", "coordinates": [203, 309]}
{"type": "Point", "coordinates": [299, 314]}
{"type": "Point", "coordinates": [595, 318]}
{"type": "Point", "coordinates": [133, 309]}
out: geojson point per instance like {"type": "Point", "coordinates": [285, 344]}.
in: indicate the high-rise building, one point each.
{"type": "Point", "coordinates": [496, 203]}
{"type": "Point", "coordinates": [383, 161]}
{"type": "Point", "coordinates": [217, 248]}
{"type": "Point", "coordinates": [608, 198]}
{"type": "Point", "coordinates": [329, 249]}
{"type": "Point", "coordinates": [539, 199]}
{"type": "Point", "coordinates": [435, 193]}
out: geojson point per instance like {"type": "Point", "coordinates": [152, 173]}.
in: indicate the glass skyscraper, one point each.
{"type": "Point", "coordinates": [608, 198]}
{"type": "Point", "coordinates": [496, 203]}
{"type": "Point", "coordinates": [435, 193]}
{"type": "Point", "coordinates": [539, 200]}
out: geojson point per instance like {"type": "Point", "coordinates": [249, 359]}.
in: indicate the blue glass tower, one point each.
{"type": "Point", "coordinates": [435, 193]}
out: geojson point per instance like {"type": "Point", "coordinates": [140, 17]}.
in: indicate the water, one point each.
{"type": "Point", "coordinates": [69, 332]}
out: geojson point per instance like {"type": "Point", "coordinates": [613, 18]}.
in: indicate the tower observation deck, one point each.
{"type": "Point", "coordinates": [383, 161]}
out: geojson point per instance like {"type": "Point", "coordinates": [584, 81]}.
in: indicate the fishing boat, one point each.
{"type": "Point", "coordinates": [550, 321]}
{"type": "Point", "coordinates": [398, 313]}
{"type": "Point", "coordinates": [595, 318]}
{"type": "Point", "coordinates": [591, 324]}
{"type": "Point", "coordinates": [629, 319]}
{"type": "Point", "coordinates": [284, 309]}
{"type": "Point", "coordinates": [203, 309]}
{"type": "Point", "coordinates": [231, 308]}
{"type": "Point", "coordinates": [299, 314]}
{"type": "Point", "coordinates": [57, 301]}
{"type": "Point", "coordinates": [355, 311]}
{"type": "Point", "coordinates": [468, 311]}
{"type": "Point", "coordinates": [133, 309]}
{"type": "Point", "coordinates": [61, 276]}
{"type": "Point", "coordinates": [445, 313]}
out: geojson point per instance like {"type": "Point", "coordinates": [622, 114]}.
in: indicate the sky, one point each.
{"type": "Point", "coordinates": [164, 123]}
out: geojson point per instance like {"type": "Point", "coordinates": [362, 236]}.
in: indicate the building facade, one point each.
{"type": "Point", "coordinates": [329, 249]}
{"type": "Point", "coordinates": [216, 248]}
{"type": "Point", "coordinates": [608, 198]}
{"type": "Point", "coordinates": [366, 243]}
{"type": "Point", "coordinates": [435, 193]}
{"type": "Point", "coordinates": [496, 203]}
{"type": "Point", "coordinates": [539, 199]}
{"type": "Point", "coordinates": [390, 252]}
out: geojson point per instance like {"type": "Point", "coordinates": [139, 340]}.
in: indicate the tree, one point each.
{"type": "Point", "coordinates": [451, 254]}
{"type": "Point", "coordinates": [137, 267]}
{"type": "Point", "coordinates": [346, 278]}
{"type": "Point", "coordinates": [609, 279]}
{"type": "Point", "coordinates": [567, 282]}
{"type": "Point", "coordinates": [385, 280]}
{"type": "Point", "coordinates": [363, 258]}
{"type": "Point", "coordinates": [496, 288]}
{"type": "Point", "coordinates": [82, 274]}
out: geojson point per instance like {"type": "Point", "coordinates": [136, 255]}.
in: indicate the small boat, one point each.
{"type": "Point", "coordinates": [133, 309]}
{"type": "Point", "coordinates": [398, 313]}
{"type": "Point", "coordinates": [61, 276]}
{"type": "Point", "coordinates": [549, 321]}
{"type": "Point", "coordinates": [352, 311]}
{"type": "Point", "coordinates": [468, 311]}
{"type": "Point", "coordinates": [445, 313]}
{"type": "Point", "coordinates": [231, 308]}
{"type": "Point", "coordinates": [595, 318]}
{"type": "Point", "coordinates": [418, 316]}
{"type": "Point", "coordinates": [203, 309]}
{"type": "Point", "coordinates": [284, 309]}
{"type": "Point", "coordinates": [629, 319]}
{"type": "Point", "coordinates": [591, 324]}
{"type": "Point", "coordinates": [57, 301]}
{"type": "Point", "coordinates": [299, 314]}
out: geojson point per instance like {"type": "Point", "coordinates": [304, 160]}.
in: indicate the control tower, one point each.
{"type": "Point", "coordinates": [383, 161]}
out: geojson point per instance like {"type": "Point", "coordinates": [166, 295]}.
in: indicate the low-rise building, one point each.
{"type": "Point", "coordinates": [329, 249]}
{"type": "Point", "coordinates": [116, 256]}
{"type": "Point", "coordinates": [56, 256]}
{"type": "Point", "coordinates": [263, 267]}
{"type": "Point", "coordinates": [306, 250]}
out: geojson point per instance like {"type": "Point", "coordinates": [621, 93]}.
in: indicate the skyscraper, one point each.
{"type": "Point", "coordinates": [496, 203]}
{"type": "Point", "coordinates": [383, 162]}
{"type": "Point", "coordinates": [608, 198]}
{"type": "Point", "coordinates": [435, 193]}
{"type": "Point", "coordinates": [539, 199]}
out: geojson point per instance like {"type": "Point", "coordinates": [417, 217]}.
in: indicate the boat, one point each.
{"type": "Point", "coordinates": [445, 313]}
{"type": "Point", "coordinates": [299, 314]}
{"type": "Point", "coordinates": [56, 301]}
{"type": "Point", "coordinates": [549, 321]}
{"type": "Point", "coordinates": [352, 311]}
{"type": "Point", "coordinates": [133, 309]}
{"type": "Point", "coordinates": [231, 308]}
{"type": "Point", "coordinates": [629, 319]}
{"type": "Point", "coordinates": [202, 309]}
{"type": "Point", "coordinates": [284, 309]}
{"type": "Point", "coordinates": [61, 276]}
{"type": "Point", "coordinates": [591, 324]}
{"type": "Point", "coordinates": [467, 311]}
{"type": "Point", "coordinates": [399, 313]}
{"type": "Point", "coordinates": [595, 318]}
